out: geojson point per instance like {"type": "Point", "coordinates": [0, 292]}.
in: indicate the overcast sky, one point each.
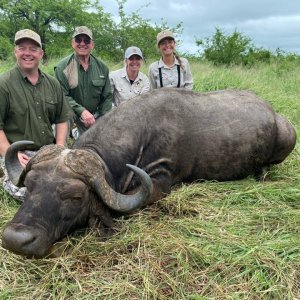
{"type": "Point", "coordinates": [270, 24]}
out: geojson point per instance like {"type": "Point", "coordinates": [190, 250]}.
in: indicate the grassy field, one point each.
{"type": "Point", "coordinates": [211, 240]}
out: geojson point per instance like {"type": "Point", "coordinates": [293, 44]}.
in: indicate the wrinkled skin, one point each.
{"type": "Point", "coordinates": [68, 203]}
{"type": "Point", "coordinates": [174, 135]}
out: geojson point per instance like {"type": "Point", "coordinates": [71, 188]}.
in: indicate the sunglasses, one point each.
{"type": "Point", "coordinates": [85, 39]}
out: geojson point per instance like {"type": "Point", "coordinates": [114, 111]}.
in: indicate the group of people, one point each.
{"type": "Point", "coordinates": [170, 71]}
{"type": "Point", "coordinates": [31, 101]}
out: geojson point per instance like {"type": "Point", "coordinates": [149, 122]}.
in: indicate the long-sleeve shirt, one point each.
{"type": "Point", "coordinates": [123, 89]}
{"type": "Point", "coordinates": [170, 74]}
{"type": "Point", "coordinates": [88, 89]}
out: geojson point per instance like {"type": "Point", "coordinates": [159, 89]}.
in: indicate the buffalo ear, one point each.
{"type": "Point", "coordinates": [12, 164]}
{"type": "Point", "coordinates": [100, 217]}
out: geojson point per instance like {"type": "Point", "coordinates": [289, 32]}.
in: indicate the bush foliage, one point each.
{"type": "Point", "coordinates": [235, 49]}
{"type": "Point", "coordinates": [55, 21]}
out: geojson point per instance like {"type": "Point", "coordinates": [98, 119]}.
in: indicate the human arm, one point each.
{"type": "Point", "coordinates": [61, 132]}
{"type": "Point", "coordinates": [105, 104]}
{"type": "Point", "coordinates": [152, 77]}
{"type": "Point", "coordinates": [4, 144]}
{"type": "Point", "coordinates": [188, 78]}
{"type": "Point", "coordinates": [146, 84]}
{"type": "Point", "coordinates": [113, 88]}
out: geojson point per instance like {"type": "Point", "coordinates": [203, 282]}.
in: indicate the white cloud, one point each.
{"type": "Point", "coordinates": [270, 24]}
{"type": "Point", "coordinates": [180, 7]}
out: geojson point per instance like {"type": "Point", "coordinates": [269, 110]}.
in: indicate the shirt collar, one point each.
{"type": "Point", "coordinates": [77, 59]}
{"type": "Point", "coordinates": [124, 74]}
{"type": "Point", "coordinates": [24, 76]}
{"type": "Point", "coordinates": [162, 64]}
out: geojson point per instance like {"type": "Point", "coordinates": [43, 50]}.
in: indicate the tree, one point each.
{"type": "Point", "coordinates": [235, 48]}
{"type": "Point", "coordinates": [55, 20]}
{"type": "Point", "coordinates": [225, 49]}
{"type": "Point", "coordinates": [133, 30]}
{"type": "Point", "coordinates": [42, 16]}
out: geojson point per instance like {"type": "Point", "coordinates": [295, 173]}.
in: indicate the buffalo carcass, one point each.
{"type": "Point", "coordinates": [166, 136]}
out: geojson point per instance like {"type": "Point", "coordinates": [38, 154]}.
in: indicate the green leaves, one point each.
{"type": "Point", "coordinates": [232, 49]}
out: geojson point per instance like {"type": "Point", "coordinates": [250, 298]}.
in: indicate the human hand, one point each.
{"type": "Point", "coordinates": [87, 118]}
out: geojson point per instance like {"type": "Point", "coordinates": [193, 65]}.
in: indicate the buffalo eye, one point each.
{"type": "Point", "coordinates": [64, 195]}
{"type": "Point", "coordinates": [72, 191]}
{"type": "Point", "coordinates": [31, 180]}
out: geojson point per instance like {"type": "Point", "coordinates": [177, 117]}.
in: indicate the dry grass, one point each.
{"type": "Point", "coordinates": [231, 240]}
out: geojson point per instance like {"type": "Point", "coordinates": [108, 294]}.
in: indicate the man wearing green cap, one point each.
{"type": "Point", "coordinates": [30, 103]}
{"type": "Point", "coordinates": [85, 80]}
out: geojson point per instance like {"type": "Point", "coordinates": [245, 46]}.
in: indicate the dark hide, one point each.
{"type": "Point", "coordinates": [173, 134]}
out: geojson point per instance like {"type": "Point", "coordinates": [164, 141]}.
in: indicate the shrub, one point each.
{"type": "Point", "coordinates": [232, 49]}
{"type": "Point", "coordinates": [5, 48]}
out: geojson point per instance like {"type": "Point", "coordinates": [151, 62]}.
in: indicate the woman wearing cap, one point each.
{"type": "Point", "coordinates": [129, 82]}
{"type": "Point", "coordinates": [171, 70]}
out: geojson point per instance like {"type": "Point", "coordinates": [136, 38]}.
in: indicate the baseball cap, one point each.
{"type": "Point", "coordinates": [28, 34]}
{"type": "Point", "coordinates": [164, 34]}
{"type": "Point", "coordinates": [133, 51]}
{"type": "Point", "coordinates": [83, 30]}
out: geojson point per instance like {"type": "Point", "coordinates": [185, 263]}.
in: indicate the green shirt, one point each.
{"type": "Point", "coordinates": [88, 89]}
{"type": "Point", "coordinates": [28, 111]}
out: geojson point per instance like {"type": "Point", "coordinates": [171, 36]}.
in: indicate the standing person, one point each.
{"type": "Point", "coordinates": [129, 82]}
{"type": "Point", "coordinates": [171, 70]}
{"type": "Point", "coordinates": [85, 80]}
{"type": "Point", "coordinates": [30, 103]}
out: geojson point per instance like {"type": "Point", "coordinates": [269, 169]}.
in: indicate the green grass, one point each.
{"type": "Point", "coordinates": [211, 240]}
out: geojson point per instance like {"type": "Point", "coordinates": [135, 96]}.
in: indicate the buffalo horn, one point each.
{"type": "Point", "coordinates": [125, 203]}
{"type": "Point", "coordinates": [12, 164]}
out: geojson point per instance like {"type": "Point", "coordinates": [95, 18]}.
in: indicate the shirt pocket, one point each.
{"type": "Point", "coordinates": [137, 87]}
{"type": "Point", "coordinates": [97, 87]}
{"type": "Point", "coordinates": [50, 105]}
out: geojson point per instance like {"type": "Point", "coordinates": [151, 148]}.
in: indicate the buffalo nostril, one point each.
{"type": "Point", "coordinates": [15, 239]}
{"type": "Point", "coordinates": [26, 240]}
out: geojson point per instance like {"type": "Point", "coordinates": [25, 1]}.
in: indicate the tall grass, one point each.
{"type": "Point", "coordinates": [211, 240]}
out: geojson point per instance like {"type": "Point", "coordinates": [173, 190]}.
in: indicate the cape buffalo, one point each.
{"type": "Point", "coordinates": [134, 154]}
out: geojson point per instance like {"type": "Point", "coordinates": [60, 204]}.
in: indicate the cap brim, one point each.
{"type": "Point", "coordinates": [27, 38]}
{"type": "Point", "coordinates": [134, 54]}
{"type": "Point", "coordinates": [166, 37]}
{"type": "Point", "coordinates": [82, 34]}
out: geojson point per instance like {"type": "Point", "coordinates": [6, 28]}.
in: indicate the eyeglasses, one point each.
{"type": "Point", "coordinates": [85, 39]}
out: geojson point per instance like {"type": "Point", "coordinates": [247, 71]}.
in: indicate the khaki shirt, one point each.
{"type": "Point", "coordinates": [85, 89]}
{"type": "Point", "coordinates": [28, 111]}
{"type": "Point", "coordinates": [123, 90]}
{"type": "Point", "coordinates": [170, 74]}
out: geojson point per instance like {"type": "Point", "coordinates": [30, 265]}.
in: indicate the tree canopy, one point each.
{"type": "Point", "coordinates": [55, 20]}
